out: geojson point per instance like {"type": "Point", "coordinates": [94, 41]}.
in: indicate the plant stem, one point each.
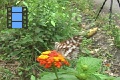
{"type": "Point", "coordinates": [55, 71]}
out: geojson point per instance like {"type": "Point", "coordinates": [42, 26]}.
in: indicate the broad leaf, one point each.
{"type": "Point", "coordinates": [104, 77]}
{"type": "Point", "coordinates": [53, 23]}
{"type": "Point", "coordinates": [32, 77]}
{"type": "Point", "coordinates": [93, 77]}
{"type": "Point", "coordinates": [25, 4]}
{"type": "Point", "coordinates": [68, 77]}
{"type": "Point", "coordinates": [37, 30]}
{"type": "Point", "coordinates": [90, 64]}
{"type": "Point", "coordinates": [118, 78]}
{"type": "Point", "coordinates": [51, 76]}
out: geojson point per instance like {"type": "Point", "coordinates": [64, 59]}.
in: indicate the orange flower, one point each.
{"type": "Point", "coordinates": [66, 63]}
{"type": "Point", "coordinates": [46, 52]}
{"type": "Point", "coordinates": [53, 54]}
{"type": "Point", "coordinates": [52, 58]}
{"type": "Point", "coordinates": [56, 58]}
{"type": "Point", "coordinates": [58, 64]}
{"type": "Point", "coordinates": [48, 65]}
{"type": "Point", "coordinates": [42, 57]}
{"type": "Point", "coordinates": [42, 62]}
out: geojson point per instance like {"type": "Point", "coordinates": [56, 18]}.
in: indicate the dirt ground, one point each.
{"type": "Point", "coordinates": [115, 6]}
{"type": "Point", "coordinates": [105, 42]}
{"type": "Point", "coordinates": [108, 52]}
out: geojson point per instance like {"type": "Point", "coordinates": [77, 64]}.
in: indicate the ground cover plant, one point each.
{"type": "Point", "coordinates": [87, 68]}
{"type": "Point", "coordinates": [51, 21]}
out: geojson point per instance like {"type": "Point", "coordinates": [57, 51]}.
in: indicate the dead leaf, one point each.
{"type": "Point", "coordinates": [92, 32]}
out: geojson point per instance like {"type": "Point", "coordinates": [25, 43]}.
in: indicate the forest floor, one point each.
{"type": "Point", "coordinates": [103, 47]}
{"type": "Point", "coordinates": [103, 43]}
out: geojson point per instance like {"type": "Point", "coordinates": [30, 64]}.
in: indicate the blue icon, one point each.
{"type": "Point", "coordinates": [16, 9]}
{"type": "Point", "coordinates": [17, 17]}
{"type": "Point", "coordinates": [18, 24]}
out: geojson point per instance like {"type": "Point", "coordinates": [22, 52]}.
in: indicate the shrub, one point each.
{"type": "Point", "coordinates": [49, 21]}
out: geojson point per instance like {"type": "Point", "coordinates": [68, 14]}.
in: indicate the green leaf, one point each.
{"type": "Point", "coordinates": [53, 23]}
{"type": "Point", "coordinates": [79, 19]}
{"type": "Point", "coordinates": [118, 78]}
{"type": "Point", "coordinates": [32, 77]}
{"type": "Point", "coordinates": [37, 38]}
{"type": "Point", "coordinates": [93, 64]}
{"type": "Point", "coordinates": [74, 14]}
{"type": "Point", "coordinates": [63, 7]}
{"type": "Point", "coordinates": [67, 77]}
{"type": "Point", "coordinates": [14, 53]}
{"type": "Point", "coordinates": [49, 76]}
{"type": "Point", "coordinates": [37, 30]}
{"type": "Point", "coordinates": [104, 77]}
{"type": "Point", "coordinates": [71, 71]}
{"type": "Point", "coordinates": [17, 2]}
{"type": "Point", "coordinates": [58, 37]}
{"type": "Point", "coordinates": [26, 39]}
{"type": "Point", "coordinates": [93, 77]}
{"type": "Point", "coordinates": [61, 76]}
{"type": "Point", "coordinates": [25, 4]}
{"type": "Point", "coordinates": [20, 73]}
{"type": "Point", "coordinates": [85, 50]}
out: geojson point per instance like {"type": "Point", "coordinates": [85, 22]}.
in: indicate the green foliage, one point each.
{"type": "Point", "coordinates": [116, 35]}
{"type": "Point", "coordinates": [49, 21]}
{"type": "Point", "coordinates": [5, 74]}
{"type": "Point", "coordinates": [104, 77]}
{"type": "Point", "coordinates": [87, 68]}
{"type": "Point", "coordinates": [84, 46]}
{"type": "Point", "coordinates": [114, 31]}
{"type": "Point", "coordinates": [91, 64]}
{"type": "Point", "coordinates": [82, 4]}
{"type": "Point", "coordinates": [62, 76]}
{"type": "Point", "coordinates": [118, 78]}
{"type": "Point", "coordinates": [32, 77]}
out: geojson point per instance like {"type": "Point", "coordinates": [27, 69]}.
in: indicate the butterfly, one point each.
{"type": "Point", "coordinates": [70, 47]}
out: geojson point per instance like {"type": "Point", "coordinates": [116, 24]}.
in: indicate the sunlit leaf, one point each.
{"type": "Point", "coordinates": [25, 4]}
{"type": "Point", "coordinates": [32, 77]}
{"type": "Point", "coordinates": [51, 76]}
{"type": "Point", "coordinates": [104, 77]}
{"type": "Point", "coordinates": [53, 23]}
{"type": "Point", "coordinates": [118, 78]}
{"type": "Point", "coordinates": [93, 64]}
{"type": "Point", "coordinates": [18, 2]}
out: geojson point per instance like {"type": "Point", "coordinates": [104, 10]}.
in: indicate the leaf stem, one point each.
{"type": "Point", "coordinates": [55, 71]}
